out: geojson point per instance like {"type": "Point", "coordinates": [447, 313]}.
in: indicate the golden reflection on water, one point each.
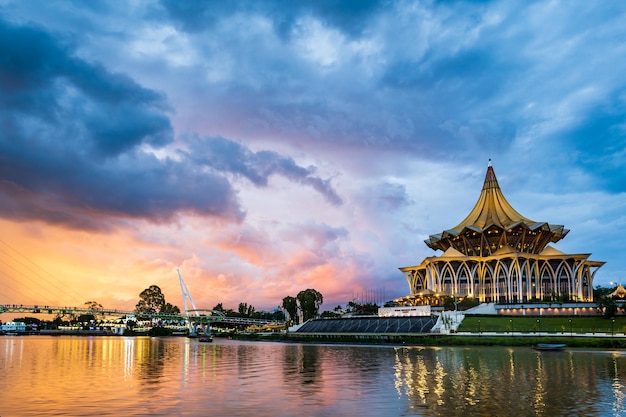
{"type": "Point", "coordinates": [538, 400]}
{"type": "Point", "coordinates": [72, 376]}
{"type": "Point", "coordinates": [509, 381]}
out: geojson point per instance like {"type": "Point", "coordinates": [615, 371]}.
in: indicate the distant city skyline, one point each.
{"type": "Point", "coordinates": [269, 147]}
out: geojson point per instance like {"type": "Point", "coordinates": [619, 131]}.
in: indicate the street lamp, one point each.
{"type": "Point", "coordinates": [612, 324]}
{"type": "Point", "coordinates": [511, 326]}
{"type": "Point", "coordinates": [570, 327]}
{"type": "Point", "coordinates": [538, 325]}
{"type": "Point", "coordinates": [479, 327]}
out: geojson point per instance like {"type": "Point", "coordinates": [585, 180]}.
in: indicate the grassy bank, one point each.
{"type": "Point", "coordinates": [509, 331]}
{"type": "Point", "coordinates": [441, 340]}
{"type": "Point", "coordinates": [532, 324]}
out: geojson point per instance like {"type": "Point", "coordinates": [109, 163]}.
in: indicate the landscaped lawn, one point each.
{"type": "Point", "coordinates": [531, 324]}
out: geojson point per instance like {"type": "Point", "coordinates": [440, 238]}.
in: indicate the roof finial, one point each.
{"type": "Point", "coordinates": [489, 164]}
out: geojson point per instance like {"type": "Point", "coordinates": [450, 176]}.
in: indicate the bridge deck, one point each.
{"type": "Point", "coordinates": [195, 316]}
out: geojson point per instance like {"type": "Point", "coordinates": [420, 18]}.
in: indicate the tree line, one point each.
{"type": "Point", "coordinates": [305, 305]}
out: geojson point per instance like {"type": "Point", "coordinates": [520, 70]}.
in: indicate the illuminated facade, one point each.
{"type": "Point", "coordinates": [497, 255]}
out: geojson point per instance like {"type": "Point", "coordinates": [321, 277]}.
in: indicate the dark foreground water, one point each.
{"type": "Point", "coordinates": [119, 376]}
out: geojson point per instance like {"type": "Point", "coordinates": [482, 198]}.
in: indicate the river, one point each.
{"type": "Point", "coordinates": [142, 376]}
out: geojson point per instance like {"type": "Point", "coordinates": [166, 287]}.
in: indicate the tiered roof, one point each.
{"type": "Point", "coordinates": [494, 225]}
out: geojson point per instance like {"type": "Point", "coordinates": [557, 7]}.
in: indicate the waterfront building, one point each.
{"type": "Point", "coordinates": [13, 327]}
{"type": "Point", "coordinates": [497, 255]}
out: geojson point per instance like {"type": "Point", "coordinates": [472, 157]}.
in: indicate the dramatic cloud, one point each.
{"type": "Point", "coordinates": [76, 144]}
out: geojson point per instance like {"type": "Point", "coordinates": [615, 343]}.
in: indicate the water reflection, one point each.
{"type": "Point", "coordinates": [507, 381]}
{"type": "Point", "coordinates": [301, 367]}
{"type": "Point", "coordinates": [151, 376]}
{"type": "Point", "coordinates": [618, 390]}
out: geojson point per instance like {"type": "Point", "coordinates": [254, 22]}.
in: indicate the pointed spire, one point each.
{"type": "Point", "coordinates": [491, 207]}
{"type": "Point", "coordinates": [490, 178]}
{"type": "Point", "coordinates": [490, 221]}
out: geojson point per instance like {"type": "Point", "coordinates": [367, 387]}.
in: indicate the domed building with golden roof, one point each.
{"type": "Point", "coordinates": [497, 255]}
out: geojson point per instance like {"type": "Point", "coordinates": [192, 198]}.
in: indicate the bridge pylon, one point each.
{"type": "Point", "coordinates": [187, 297]}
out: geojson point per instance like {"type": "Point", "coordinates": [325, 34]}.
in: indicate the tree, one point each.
{"type": "Point", "coordinates": [468, 302]}
{"type": "Point", "coordinates": [330, 315]}
{"type": "Point", "coordinates": [310, 301]}
{"type": "Point", "coordinates": [600, 292]}
{"type": "Point", "coordinates": [448, 303]}
{"type": "Point", "coordinates": [290, 304]}
{"type": "Point", "coordinates": [243, 309]}
{"type": "Point", "coordinates": [608, 306]}
{"type": "Point", "coordinates": [151, 301]}
{"type": "Point", "coordinates": [92, 305]}
{"type": "Point", "coordinates": [170, 309]}
{"type": "Point", "coordinates": [85, 318]}
{"type": "Point", "coordinates": [219, 307]}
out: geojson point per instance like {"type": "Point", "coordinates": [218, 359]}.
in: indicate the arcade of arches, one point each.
{"type": "Point", "coordinates": [497, 255]}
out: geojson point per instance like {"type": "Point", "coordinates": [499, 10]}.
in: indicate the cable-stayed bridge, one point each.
{"type": "Point", "coordinates": [21, 277]}
{"type": "Point", "coordinates": [192, 316]}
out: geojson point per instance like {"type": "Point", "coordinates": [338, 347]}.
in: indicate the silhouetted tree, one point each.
{"type": "Point", "coordinates": [329, 314]}
{"type": "Point", "coordinates": [290, 304]}
{"type": "Point", "coordinates": [151, 301]}
{"type": "Point", "coordinates": [169, 309]}
{"type": "Point", "coordinates": [309, 301]}
{"type": "Point", "coordinates": [600, 292]}
{"type": "Point", "coordinates": [608, 306]}
{"type": "Point", "coordinates": [93, 305]}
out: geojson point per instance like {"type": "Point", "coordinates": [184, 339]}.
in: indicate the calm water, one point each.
{"type": "Point", "coordinates": [119, 376]}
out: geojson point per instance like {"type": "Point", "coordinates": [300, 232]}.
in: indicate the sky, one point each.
{"type": "Point", "coordinates": [266, 147]}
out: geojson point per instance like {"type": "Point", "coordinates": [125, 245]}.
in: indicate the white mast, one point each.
{"type": "Point", "coordinates": [187, 296]}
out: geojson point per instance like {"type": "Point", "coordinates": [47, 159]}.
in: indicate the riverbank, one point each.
{"type": "Point", "coordinates": [440, 340]}
{"type": "Point", "coordinates": [605, 341]}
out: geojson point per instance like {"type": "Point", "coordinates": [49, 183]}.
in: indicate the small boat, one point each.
{"type": "Point", "coordinates": [549, 346]}
{"type": "Point", "coordinates": [205, 339]}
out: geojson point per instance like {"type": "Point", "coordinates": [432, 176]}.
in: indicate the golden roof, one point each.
{"type": "Point", "coordinates": [619, 292]}
{"type": "Point", "coordinates": [493, 224]}
{"type": "Point", "coordinates": [491, 208]}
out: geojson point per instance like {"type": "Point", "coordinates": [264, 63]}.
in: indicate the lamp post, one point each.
{"type": "Point", "coordinates": [612, 324]}
{"type": "Point", "coordinates": [478, 327]}
{"type": "Point", "coordinates": [511, 326]}
{"type": "Point", "coordinates": [538, 325]}
{"type": "Point", "coordinates": [570, 327]}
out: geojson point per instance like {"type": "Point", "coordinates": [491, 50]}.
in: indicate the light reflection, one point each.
{"type": "Point", "coordinates": [439, 375]}
{"type": "Point", "coordinates": [539, 391]}
{"type": "Point", "coordinates": [238, 378]}
{"type": "Point", "coordinates": [129, 347]}
{"type": "Point", "coordinates": [618, 390]}
{"type": "Point", "coordinates": [505, 381]}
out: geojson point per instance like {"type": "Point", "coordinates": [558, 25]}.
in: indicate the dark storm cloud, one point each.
{"type": "Point", "coordinates": [231, 157]}
{"type": "Point", "coordinates": [70, 137]}
{"type": "Point", "coordinates": [42, 83]}
{"type": "Point", "coordinates": [73, 138]}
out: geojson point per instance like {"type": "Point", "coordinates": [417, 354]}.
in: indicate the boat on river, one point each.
{"type": "Point", "coordinates": [549, 346]}
{"type": "Point", "coordinates": [205, 339]}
